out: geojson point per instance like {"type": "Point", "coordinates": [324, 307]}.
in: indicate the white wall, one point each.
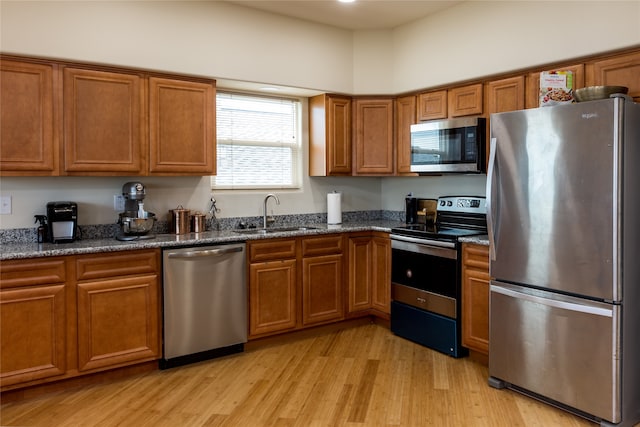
{"type": "Point", "coordinates": [394, 190]}
{"type": "Point", "coordinates": [372, 70]}
{"type": "Point", "coordinates": [481, 38]}
{"type": "Point", "coordinates": [225, 41]}
{"type": "Point", "coordinates": [206, 38]}
{"type": "Point", "coordinates": [94, 195]}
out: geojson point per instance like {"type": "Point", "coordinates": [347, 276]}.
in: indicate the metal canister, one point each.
{"type": "Point", "coordinates": [179, 220]}
{"type": "Point", "coordinates": [198, 222]}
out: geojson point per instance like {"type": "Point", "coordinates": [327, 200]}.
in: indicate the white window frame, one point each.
{"type": "Point", "coordinates": [295, 145]}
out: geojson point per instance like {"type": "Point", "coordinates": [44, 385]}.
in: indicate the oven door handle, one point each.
{"type": "Point", "coordinates": [429, 247]}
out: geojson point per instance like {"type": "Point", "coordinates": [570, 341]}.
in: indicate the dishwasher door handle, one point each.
{"type": "Point", "coordinates": [204, 253]}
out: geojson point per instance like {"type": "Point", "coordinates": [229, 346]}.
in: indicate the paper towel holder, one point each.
{"type": "Point", "coordinates": [334, 208]}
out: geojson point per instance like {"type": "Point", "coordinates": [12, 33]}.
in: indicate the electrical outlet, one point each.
{"type": "Point", "coordinates": [5, 205]}
{"type": "Point", "coordinates": [118, 202]}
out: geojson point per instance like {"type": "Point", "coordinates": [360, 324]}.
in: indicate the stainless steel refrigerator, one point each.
{"type": "Point", "coordinates": [563, 196]}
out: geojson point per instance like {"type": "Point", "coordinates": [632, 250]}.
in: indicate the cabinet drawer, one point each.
{"type": "Point", "coordinates": [116, 264]}
{"type": "Point", "coordinates": [476, 256]}
{"type": "Point", "coordinates": [326, 245]}
{"type": "Point", "coordinates": [32, 272]}
{"type": "Point", "coordinates": [272, 249]}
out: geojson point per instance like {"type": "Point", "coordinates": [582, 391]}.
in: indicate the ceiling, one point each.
{"type": "Point", "coordinates": [359, 15]}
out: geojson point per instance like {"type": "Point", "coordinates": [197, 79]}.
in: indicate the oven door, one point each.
{"type": "Point", "coordinates": [424, 290]}
{"type": "Point", "coordinates": [424, 274]}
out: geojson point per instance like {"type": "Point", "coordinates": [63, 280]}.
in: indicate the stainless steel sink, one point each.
{"type": "Point", "coordinates": [272, 230]}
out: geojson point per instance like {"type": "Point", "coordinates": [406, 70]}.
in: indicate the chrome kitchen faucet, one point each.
{"type": "Point", "coordinates": [265, 221]}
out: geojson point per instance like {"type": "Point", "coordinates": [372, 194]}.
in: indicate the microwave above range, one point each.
{"type": "Point", "coordinates": [449, 146]}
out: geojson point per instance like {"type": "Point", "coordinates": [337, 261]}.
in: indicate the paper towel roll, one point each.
{"type": "Point", "coordinates": [334, 208]}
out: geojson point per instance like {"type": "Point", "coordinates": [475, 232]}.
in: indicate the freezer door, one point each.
{"type": "Point", "coordinates": [553, 197]}
{"type": "Point", "coordinates": [563, 348]}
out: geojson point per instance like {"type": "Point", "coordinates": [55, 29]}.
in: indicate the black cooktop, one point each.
{"type": "Point", "coordinates": [457, 216]}
{"type": "Point", "coordinates": [434, 231]}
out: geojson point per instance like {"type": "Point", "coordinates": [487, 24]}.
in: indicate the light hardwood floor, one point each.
{"type": "Point", "coordinates": [360, 376]}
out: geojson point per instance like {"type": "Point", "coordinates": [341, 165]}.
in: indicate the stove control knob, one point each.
{"type": "Point", "coordinates": [442, 203]}
{"type": "Point", "coordinates": [449, 203]}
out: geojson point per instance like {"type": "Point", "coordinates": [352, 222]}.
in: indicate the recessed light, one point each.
{"type": "Point", "coordinates": [346, 1]}
{"type": "Point", "coordinates": [270, 89]}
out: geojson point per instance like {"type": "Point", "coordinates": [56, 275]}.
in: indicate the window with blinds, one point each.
{"type": "Point", "coordinates": [258, 142]}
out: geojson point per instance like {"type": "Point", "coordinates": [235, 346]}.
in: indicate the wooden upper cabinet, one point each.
{"type": "Point", "coordinates": [405, 116]}
{"type": "Point", "coordinates": [74, 119]}
{"type": "Point", "coordinates": [465, 100]}
{"type": "Point", "coordinates": [330, 135]}
{"type": "Point", "coordinates": [373, 136]}
{"type": "Point", "coordinates": [505, 95]}
{"type": "Point", "coordinates": [103, 122]}
{"type": "Point", "coordinates": [532, 97]}
{"type": "Point", "coordinates": [182, 129]}
{"type": "Point", "coordinates": [28, 131]}
{"type": "Point", "coordinates": [432, 105]}
{"type": "Point", "coordinates": [623, 70]}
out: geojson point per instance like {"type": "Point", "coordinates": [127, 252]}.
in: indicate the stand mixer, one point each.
{"type": "Point", "coordinates": [135, 221]}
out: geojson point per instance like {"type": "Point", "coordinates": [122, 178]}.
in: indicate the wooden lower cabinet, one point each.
{"type": "Point", "coordinates": [273, 287]}
{"type": "Point", "coordinates": [111, 332]}
{"type": "Point", "coordinates": [322, 289]}
{"type": "Point", "coordinates": [33, 333]}
{"type": "Point", "coordinates": [33, 305]}
{"type": "Point", "coordinates": [381, 278]}
{"type": "Point", "coordinates": [475, 297]}
{"type": "Point", "coordinates": [369, 273]}
{"type": "Point", "coordinates": [295, 283]}
{"type": "Point", "coordinates": [272, 296]}
{"type": "Point", "coordinates": [64, 317]}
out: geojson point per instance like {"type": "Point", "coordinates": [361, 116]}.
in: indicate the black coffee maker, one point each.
{"type": "Point", "coordinates": [63, 221]}
{"type": "Point", "coordinates": [411, 209]}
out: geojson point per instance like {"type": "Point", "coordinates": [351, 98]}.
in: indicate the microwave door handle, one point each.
{"type": "Point", "coordinates": [492, 177]}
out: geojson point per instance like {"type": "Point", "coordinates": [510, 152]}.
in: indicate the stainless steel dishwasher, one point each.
{"type": "Point", "coordinates": [205, 303]}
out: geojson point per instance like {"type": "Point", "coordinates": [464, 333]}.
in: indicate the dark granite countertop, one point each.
{"type": "Point", "coordinates": [479, 240]}
{"type": "Point", "coordinates": [10, 251]}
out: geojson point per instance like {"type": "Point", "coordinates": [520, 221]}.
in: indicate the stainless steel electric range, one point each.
{"type": "Point", "coordinates": [426, 270]}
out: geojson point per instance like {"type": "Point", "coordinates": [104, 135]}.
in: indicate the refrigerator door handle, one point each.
{"type": "Point", "coordinates": [565, 305]}
{"type": "Point", "coordinates": [491, 175]}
